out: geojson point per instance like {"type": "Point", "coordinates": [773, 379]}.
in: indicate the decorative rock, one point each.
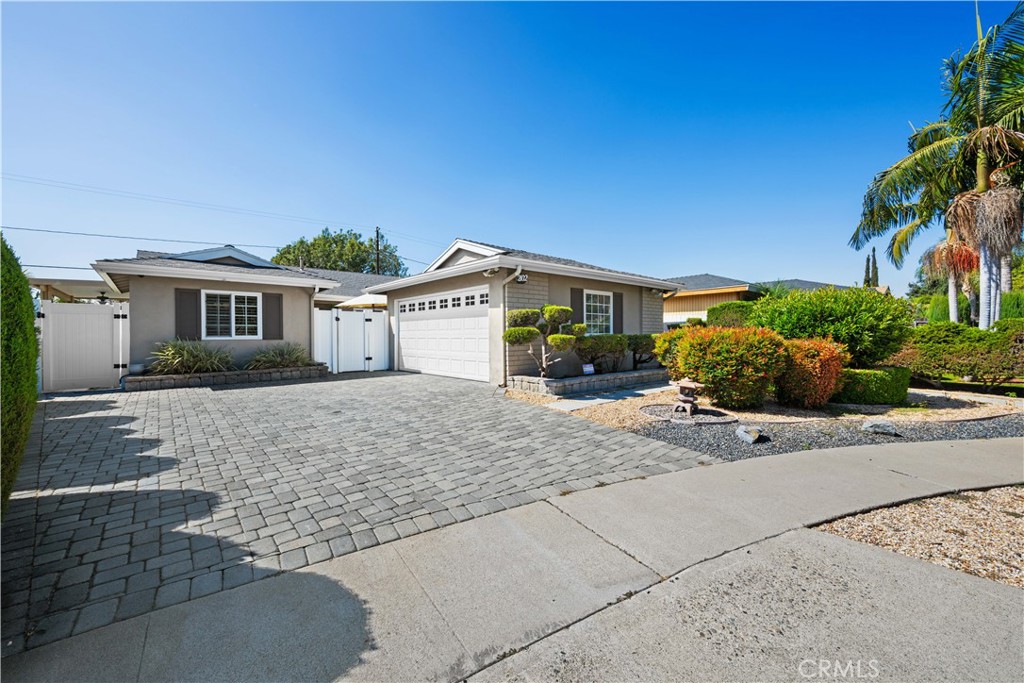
{"type": "Point", "coordinates": [876, 426]}
{"type": "Point", "coordinates": [747, 433]}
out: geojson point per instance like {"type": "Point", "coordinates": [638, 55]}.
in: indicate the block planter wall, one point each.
{"type": "Point", "coordinates": [209, 379]}
{"type": "Point", "coordinates": [588, 384]}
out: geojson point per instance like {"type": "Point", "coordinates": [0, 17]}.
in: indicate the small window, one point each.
{"type": "Point", "coordinates": [471, 299]}
{"type": "Point", "coordinates": [597, 312]}
{"type": "Point", "coordinates": [421, 305]}
{"type": "Point", "coordinates": [484, 298]}
{"type": "Point", "coordinates": [432, 305]}
{"type": "Point", "coordinates": [401, 308]}
{"type": "Point", "coordinates": [456, 301]}
{"type": "Point", "coordinates": [231, 315]}
{"type": "Point", "coordinates": [443, 303]}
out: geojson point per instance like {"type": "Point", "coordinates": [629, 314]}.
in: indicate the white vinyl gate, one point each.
{"type": "Point", "coordinates": [83, 346]}
{"type": "Point", "coordinates": [351, 341]}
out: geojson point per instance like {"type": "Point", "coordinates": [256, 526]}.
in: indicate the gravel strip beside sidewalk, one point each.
{"type": "Point", "coordinates": [978, 532]}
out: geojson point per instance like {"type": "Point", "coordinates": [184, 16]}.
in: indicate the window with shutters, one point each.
{"type": "Point", "coordinates": [232, 315]}
{"type": "Point", "coordinates": [597, 312]}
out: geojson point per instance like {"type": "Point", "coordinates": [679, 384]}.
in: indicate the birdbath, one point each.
{"type": "Point", "coordinates": [687, 400]}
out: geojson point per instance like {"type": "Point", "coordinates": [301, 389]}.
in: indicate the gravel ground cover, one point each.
{"type": "Point", "coordinates": [721, 440]}
{"type": "Point", "coordinates": [978, 532]}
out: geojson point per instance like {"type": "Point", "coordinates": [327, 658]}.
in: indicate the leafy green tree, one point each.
{"type": "Point", "coordinates": [954, 156]}
{"type": "Point", "coordinates": [342, 250]}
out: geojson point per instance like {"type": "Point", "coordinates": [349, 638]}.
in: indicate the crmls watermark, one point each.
{"type": "Point", "coordinates": [834, 669]}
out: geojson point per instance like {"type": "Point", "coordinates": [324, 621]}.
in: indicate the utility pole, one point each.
{"type": "Point", "coordinates": [376, 240]}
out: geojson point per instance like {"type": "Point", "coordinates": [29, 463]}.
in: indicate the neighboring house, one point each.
{"type": "Point", "coordinates": [449, 320]}
{"type": "Point", "coordinates": [697, 293]}
{"type": "Point", "coordinates": [224, 296]}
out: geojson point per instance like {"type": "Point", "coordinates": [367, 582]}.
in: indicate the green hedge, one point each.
{"type": "Point", "coordinates": [880, 386]}
{"type": "Point", "coordinates": [938, 308]}
{"type": "Point", "coordinates": [18, 352]}
{"type": "Point", "coordinates": [730, 314]}
{"type": "Point", "coordinates": [872, 326]}
{"type": "Point", "coordinates": [1011, 305]}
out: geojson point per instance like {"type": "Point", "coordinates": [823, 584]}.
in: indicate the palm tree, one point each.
{"type": "Point", "coordinates": [955, 260]}
{"type": "Point", "coordinates": [980, 128]}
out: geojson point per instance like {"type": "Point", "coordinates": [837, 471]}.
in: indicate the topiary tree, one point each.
{"type": "Point", "coordinates": [642, 348]}
{"type": "Point", "coordinates": [18, 352]}
{"type": "Point", "coordinates": [605, 351]}
{"type": "Point", "coordinates": [550, 326]}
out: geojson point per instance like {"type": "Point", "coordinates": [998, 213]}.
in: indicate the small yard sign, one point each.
{"type": "Point", "coordinates": [588, 368]}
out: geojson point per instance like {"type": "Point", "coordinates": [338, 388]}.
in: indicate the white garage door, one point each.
{"type": "Point", "coordinates": [445, 334]}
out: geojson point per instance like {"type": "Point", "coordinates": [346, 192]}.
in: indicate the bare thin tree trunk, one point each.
{"type": "Point", "coordinates": [1005, 273]}
{"type": "Point", "coordinates": [972, 301]}
{"type": "Point", "coordinates": [954, 313]}
{"type": "Point", "coordinates": [985, 286]}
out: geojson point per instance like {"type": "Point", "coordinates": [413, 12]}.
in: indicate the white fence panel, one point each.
{"type": "Point", "coordinates": [351, 341]}
{"type": "Point", "coordinates": [84, 346]}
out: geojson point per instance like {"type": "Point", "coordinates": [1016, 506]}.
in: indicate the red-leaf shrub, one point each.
{"type": "Point", "coordinates": [812, 370]}
{"type": "Point", "coordinates": [737, 364]}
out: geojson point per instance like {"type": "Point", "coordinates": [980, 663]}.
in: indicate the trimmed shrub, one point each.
{"type": "Point", "coordinates": [737, 364]}
{"type": "Point", "coordinates": [517, 336]}
{"type": "Point", "coordinates": [872, 326]}
{"type": "Point", "coordinates": [525, 326]}
{"type": "Point", "coordinates": [522, 317]}
{"type": "Point", "coordinates": [665, 347]}
{"type": "Point", "coordinates": [989, 356]}
{"type": "Point", "coordinates": [605, 351]}
{"type": "Point", "coordinates": [18, 352]}
{"type": "Point", "coordinates": [811, 374]}
{"type": "Point", "coordinates": [179, 357]}
{"type": "Point", "coordinates": [287, 355]}
{"type": "Point", "coordinates": [879, 386]}
{"type": "Point", "coordinates": [1009, 325]}
{"type": "Point", "coordinates": [1011, 305]}
{"type": "Point", "coordinates": [731, 314]}
{"type": "Point", "coordinates": [938, 308]}
{"type": "Point", "coordinates": [642, 348]}
{"type": "Point", "coordinates": [696, 322]}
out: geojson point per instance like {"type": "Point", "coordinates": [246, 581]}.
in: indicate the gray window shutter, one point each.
{"type": "Point", "coordinates": [576, 304]}
{"type": "Point", "coordinates": [187, 319]}
{"type": "Point", "coordinates": [617, 312]}
{"type": "Point", "coordinates": [273, 316]}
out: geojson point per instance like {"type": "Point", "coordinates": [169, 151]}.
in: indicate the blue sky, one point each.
{"type": "Point", "coordinates": [664, 139]}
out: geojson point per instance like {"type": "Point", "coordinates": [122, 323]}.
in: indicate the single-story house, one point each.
{"type": "Point", "coordinates": [449, 320]}
{"type": "Point", "coordinates": [224, 296]}
{"type": "Point", "coordinates": [695, 294]}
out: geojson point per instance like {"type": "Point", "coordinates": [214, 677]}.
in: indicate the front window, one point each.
{"type": "Point", "coordinates": [597, 312]}
{"type": "Point", "coordinates": [231, 315]}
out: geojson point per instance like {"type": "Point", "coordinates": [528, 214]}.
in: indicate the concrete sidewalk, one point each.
{"type": "Point", "coordinates": [636, 558]}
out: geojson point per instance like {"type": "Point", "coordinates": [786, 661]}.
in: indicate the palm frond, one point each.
{"type": "Point", "coordinates": [901, 240]}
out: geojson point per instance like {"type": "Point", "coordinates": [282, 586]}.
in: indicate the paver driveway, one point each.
{"type": "Point", "coordinates": [131, 502]}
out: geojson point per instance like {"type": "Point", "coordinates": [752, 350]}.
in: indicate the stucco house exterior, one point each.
{"type": "Point", "coordinates": [449, 320]}
{"type": "Point", "coordinates": [224, 296]}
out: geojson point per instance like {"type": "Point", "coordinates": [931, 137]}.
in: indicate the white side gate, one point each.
{"type": "Point", "coordinates": [351, 341]}
{"type": "Point", "coordinates": [83, 346]}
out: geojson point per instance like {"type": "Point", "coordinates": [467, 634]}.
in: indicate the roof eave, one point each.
{"type": "Point", "coordinates": [506, 261]}
{"type": "Point", "coordinates": [120, 268]}
{"type": "Point", "coordinates": [714, 290]}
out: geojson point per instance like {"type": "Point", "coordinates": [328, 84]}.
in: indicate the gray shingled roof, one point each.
{"type": "Point", "coordinates": [706, 281]}
{"type": "Point", "coordinates": [349, 284]}
{"type": "Point", "coordinates": [534, 256]}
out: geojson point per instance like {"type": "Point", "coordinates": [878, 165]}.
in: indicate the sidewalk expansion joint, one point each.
{"type": "Point", "coordinates": [617, 547]}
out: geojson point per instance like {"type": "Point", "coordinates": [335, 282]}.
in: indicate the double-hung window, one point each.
{"type": "Point", "coordinates": [232, 315]}
{"type": "Point", "coordinates": [597, 312]}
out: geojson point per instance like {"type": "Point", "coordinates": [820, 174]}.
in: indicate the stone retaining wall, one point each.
{"type": "Point", "coordinates": [208, 379]}
{"type": "Point", "coordinates": [588, 384]}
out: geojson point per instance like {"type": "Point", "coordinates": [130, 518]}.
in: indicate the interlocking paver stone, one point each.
{"type": "Point", "coordinates": [131, 502]}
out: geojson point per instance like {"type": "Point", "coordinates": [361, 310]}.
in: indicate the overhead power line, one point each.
{"type": "Point", "coordinates": [39, 265]}
{"type": "Point", "coordinates": [127, 194]}
{"type": "Point", "coordinates": [152, 239]}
